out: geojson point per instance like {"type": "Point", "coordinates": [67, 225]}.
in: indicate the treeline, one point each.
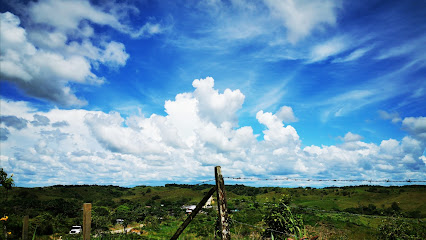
{"type": "Point", "coordinates": [393, 210]}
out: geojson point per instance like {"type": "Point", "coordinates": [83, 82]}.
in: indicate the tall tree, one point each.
{"type": "Point", "coordinates": [6, 182]}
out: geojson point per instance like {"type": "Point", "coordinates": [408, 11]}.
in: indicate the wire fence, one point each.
{"type": "Point", "coordinates": [301, 209]}
{"type": "Point", "coordinates": [315, 211]}
{"type": "Point", "coordinates": [204, 182]}
{"type": "Point", "coordinates": [325, 180]}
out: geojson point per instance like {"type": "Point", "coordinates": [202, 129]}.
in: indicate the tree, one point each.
{"type": "Point", "coordinates": [6, 182]}
{"type": "Point", "coordinates": [101, 218]}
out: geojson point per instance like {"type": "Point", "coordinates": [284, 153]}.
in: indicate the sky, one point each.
{"type": "Point", "coordinates": [151, 92]}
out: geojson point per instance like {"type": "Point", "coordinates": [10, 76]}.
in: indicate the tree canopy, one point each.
{"type": "Point", "coordinates": [6, 182]}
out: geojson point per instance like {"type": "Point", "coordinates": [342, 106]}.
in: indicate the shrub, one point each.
{"type": "Point", "coordinates": [279, 218]}
{"type": "Point", "coordinates": [398, 228]}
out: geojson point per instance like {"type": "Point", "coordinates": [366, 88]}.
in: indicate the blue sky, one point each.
{"type": "Point", "coordinates": [137, 92]}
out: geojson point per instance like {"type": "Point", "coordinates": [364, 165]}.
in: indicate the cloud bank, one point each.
{"type": "Point", "coordinates": [200, 130]}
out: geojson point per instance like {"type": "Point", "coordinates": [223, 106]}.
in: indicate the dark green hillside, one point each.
{"type": "Point", "coordinates": [361, 212]}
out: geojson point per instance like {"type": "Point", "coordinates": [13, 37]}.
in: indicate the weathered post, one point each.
{"type": "Point", "coordinates": [87, 220]}
{"type": "Point", "coordinates": [221, 203]}
{"type": "Point", "coordinates": [25, 228]}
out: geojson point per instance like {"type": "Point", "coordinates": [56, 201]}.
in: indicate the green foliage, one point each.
{"type": "Point", "coordinates": [44, 224]}
{"type": "Point", "coordinates": [55, 209]}
{"type": "Point", "coordinates": [396, 228]}
{"type": "Point", "coordinates": [152, 223]}
{"type": "Point", "coordinates": [203, 225]}
{"type": "Point", "coordinates": [101, 218]}
{"type": "Point", "coordinates": [280, 219]}
{"type": "Point", "coordinates": [69, 208]}
{"type": "Point", "coordinates": [6, 182]}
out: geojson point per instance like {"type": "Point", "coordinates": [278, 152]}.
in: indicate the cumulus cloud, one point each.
{"type": "Point", "coordinates": [107, 148]}
{"type": "Point", "coordinates": [351, 137]}
{"type": "Point", "coordinates": [285, 114]}
{"type": "Point", "coordinates": [276, 133]}
{"type": "Point", "coordinates": [416, 126]}
{"type": "Point", "coordinates": [42, 74]}
{"type": "Point", "coordinates": [217, 107]}
{"type": "Point", "coordinates": [56, 46]}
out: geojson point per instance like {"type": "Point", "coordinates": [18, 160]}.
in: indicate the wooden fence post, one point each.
{"type": "Point", "coordinates": [87, 220]}
{"type": "Point", "coordinates": [25, 228]}
{"type": "Point", "coordinates": [221, 203]}
{"type": "Point", "coordinates": [192, 215]}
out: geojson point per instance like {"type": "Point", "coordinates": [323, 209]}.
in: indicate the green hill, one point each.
{"type": "Point", "coordinates": [354, 212]}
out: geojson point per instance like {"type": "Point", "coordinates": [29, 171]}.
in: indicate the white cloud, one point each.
{"type": "Point", "coordinates": [394, 116]}
{"type": "Point", "coordinates": [272, 30]}
{"type": "Point", "coordinates": [67, 16]}
{"type": "Point", "coordinates": [327, 49]}
{"type": "Point", "coordinates": [302, 17]}
{"type": "Point", "coordinates": [416, 126]}
{"type": "Point", "coordinates": [106, 148]}
{"type": "Point", "coordinates": [57, 45]}
{"type": "Point", "coordinates": [285, 114]}
{"type": "Point", "coordinates": [40, 73]}
{"type": "Point", "coordinates": [423, 158]}
{"type": "Point", "coordinates": [353, 55]}
{"type": "Point", "coordinates": [216, 107]}
{"type": "Point", "coordinates": [114, 54]}
{"type": "Point", "coordinates": [351, 137]}
{"type": "Point", "coordinates": [411, 47]}
{"type": "Point", "coordinates": [277, 134]}
{"type": "Point", "coordinates": [344, 103]}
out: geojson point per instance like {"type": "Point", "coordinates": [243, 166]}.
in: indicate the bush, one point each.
{"type": "Point", "coordinates": [279, 218]}
{"type": "Point", "coordinates": [398, 228]}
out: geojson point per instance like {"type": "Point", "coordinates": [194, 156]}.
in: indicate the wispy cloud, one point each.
{"type": "Point", "coordinates": [353, 55]}
{"type": "Point", "coordinates": [411, 47]}
{"type": "Point", "coordinates": [327, 49]}
{"type": "Point", "coordinates": [394, 116]}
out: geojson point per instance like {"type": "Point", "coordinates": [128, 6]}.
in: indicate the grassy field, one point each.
{"type": "Point", "coordinates": [362, 212]}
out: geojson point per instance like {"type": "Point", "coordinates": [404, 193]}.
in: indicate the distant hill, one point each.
{"type": "Point", "coordinates": [63, 203]}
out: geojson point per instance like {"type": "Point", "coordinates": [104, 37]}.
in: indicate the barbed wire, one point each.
{"type": "Point", "coordinates": [325, 180]}
{"type": "Point", "coordinates": [206, 181]}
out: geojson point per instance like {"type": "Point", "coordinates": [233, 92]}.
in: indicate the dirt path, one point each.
{"type": "Point", "coordinates": [128, 229]}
